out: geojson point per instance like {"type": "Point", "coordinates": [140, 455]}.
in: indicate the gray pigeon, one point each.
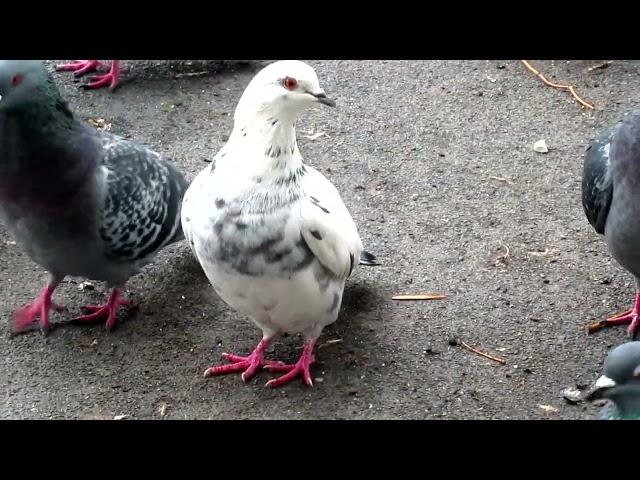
{"type": "Point", "coordinates": [79, 201]}
{"type": "Point", "coordinates": [271, 233]}
{"type": "Point", "coordinates": [620, 384]}
{"type": "Point", "coordinates": [611, 201]}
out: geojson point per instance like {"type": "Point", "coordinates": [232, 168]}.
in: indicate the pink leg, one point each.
{"type": "Point", "coordinates": [301, 367]}
{"type": "Point", "coordinates": [629, 317]}
{"type": "Point", "coordinates": [249, 366]}
{"type": "Point", "coordinates": [108, 310]}
{"type": "Point", "coordinates": [112, 78]}
{"type": "Point", "coordinates": [24, 317]}
{"type": "Point", "coordinates": [80, 67]}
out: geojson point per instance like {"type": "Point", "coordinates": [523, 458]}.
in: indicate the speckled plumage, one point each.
{"type": "Point", "coordinates": [79, 201]}
{"type": "Point", "coordinates": [271, 233]}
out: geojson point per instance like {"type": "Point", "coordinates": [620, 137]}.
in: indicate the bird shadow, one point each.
{"type": "Point", "coordinates": [359, 298]}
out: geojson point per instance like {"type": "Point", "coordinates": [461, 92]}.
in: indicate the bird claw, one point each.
{"type": "Point", "coordinates": [108, 310]}
{"type": "Point", "coordinates": [633, 329]}
{"type": "Point", "coordinates": [294, 371]}
{"type": "Point", "coordinates": [80, 67]}
{"type": "Point", "coordinates": [249, 365]}
{"type": "Point", "coordinates": [99, 81]}
{"type": "Point", "coordinates": [300, 368]}
{"type": "Point", "coordinates": [24, 317]}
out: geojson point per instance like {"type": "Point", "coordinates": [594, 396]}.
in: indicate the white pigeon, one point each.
{"type": "Point", "coordinates": [271, 233]}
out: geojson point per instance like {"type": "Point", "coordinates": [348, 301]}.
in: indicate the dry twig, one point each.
{"type": "Point", "coordinates": [482, 354]}
{"type": "Point", "coordinates": [429, 296]}
{"type": "Point", "coordinates": [569, 88]}
{"type": "Point", "coordinates": [597, 326]}
{"type": "Point", "coordinates": [190, 74]}
{"type": "Point", "coordinates": [501, 179]}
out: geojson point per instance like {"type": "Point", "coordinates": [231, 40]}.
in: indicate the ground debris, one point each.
{"type": "Point", "coordinates": [426, 296]}
{"type": "Point", "coordinates": [572, 395]}
{"type": "Point", "coordinates": [569, 88]}
{"type": "Point", "coordinates": [482, 354]}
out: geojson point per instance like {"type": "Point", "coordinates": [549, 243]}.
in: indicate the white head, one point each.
{"type": "Point", "coordinates": [281, 90]}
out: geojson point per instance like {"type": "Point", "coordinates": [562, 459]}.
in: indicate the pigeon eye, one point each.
{"type": "Point", "coordinates": [289, 83]}
{"type": "Point", "coordinates": [16, 80]}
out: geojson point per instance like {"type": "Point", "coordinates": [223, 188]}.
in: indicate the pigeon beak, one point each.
{"type": "Point", "coordinates": [322, 98]}
{"type": "Point", "coordinates": [602, 384]}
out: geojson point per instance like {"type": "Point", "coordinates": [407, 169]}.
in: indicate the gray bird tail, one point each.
{"type": "Point", "coordinates": [369, 259]}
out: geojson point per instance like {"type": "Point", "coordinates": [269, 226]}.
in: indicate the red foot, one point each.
{"type": "Point", "coordinates": [249, 366]}
{"type": "Point", "coordinates": [82, 67]}
{"type": "Point", "coordinates": [24, 317]}
{"type": "Point", "coordinates": [108, 311]}
{"type": "Point", "coordinates": [630, 317]}
{"type": "Point", "coordinates": [300, 368]}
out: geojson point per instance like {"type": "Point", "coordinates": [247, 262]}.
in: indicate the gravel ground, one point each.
{"type": "Point", "coordinates": [434, 159]}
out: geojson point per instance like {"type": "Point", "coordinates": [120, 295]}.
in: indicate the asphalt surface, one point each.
{"type": "Point", "coordinates": [434, 159]}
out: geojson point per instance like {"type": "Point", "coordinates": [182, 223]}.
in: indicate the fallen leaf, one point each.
{"type": "Point", "coordinates": [572, 395]}
{"type": "Point", "coordinates": [540, 146]}
{"type": "Point", "coordinates": [549, 408]}
{"type": "Point", "coordinates": [100, 123]}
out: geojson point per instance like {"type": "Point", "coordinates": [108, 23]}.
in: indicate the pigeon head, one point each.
{"type": "Point", "coordinates": [282, 89]}
{"type": "Point", "coordinates": [620, 381]}
{"type": "Point", "coordinates": [23, 84]}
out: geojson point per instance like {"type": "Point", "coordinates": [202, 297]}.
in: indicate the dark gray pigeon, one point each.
{"type": "Point", "coordinates": [620, 384]}
{"type": "Point", "coordinates": [79, 201]}
{"type": "Point", "coordinates": [611, 201]}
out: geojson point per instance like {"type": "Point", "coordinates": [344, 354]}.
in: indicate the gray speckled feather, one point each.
{"type": "Point", "coordinates": [141, 213]}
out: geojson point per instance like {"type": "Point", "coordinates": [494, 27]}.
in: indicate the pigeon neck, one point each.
{"type": "Point", "coordinates": [269, 141]}
{"type": "Point", "coordinates": [44, 161]}
{"type": "Point", "coordinates": [40, 121]}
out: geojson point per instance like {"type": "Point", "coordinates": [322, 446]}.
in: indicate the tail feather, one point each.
{"type": "Point", "coordinates": [369, 259]}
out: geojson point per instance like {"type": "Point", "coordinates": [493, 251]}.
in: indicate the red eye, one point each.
{"type": "Point", "coordinates": [289, 83]}
{"type": "Point", "coordinates": [16, 80]}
